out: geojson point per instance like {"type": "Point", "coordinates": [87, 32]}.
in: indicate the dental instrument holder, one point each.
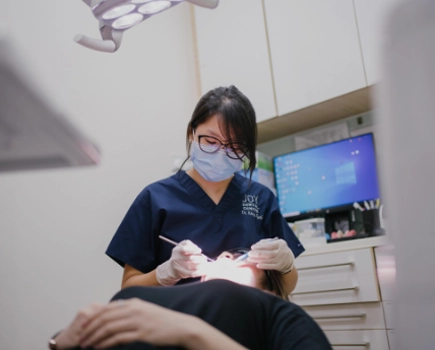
{"type": "Point", "coordinates": [372, 223]}
{"type": "Point", "coordinates": [111, 37]}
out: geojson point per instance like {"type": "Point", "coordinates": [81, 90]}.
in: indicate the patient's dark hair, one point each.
{"type": "Point", "coordinates": [272, 280]}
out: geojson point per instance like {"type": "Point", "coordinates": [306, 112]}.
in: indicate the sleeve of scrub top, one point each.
{"type": "Point", "coordinates": [276, 226]}
{"type": "Point", "coordinates": [133, 242]}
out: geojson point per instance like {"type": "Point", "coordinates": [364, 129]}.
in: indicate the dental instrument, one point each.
{"type": "Point", "coordinates": [242, 257]}
{"type": "Point", "coordinates": [245, 256]}
{"type": "Point", "coordinates": [175, 243]}
{"type": "Point", "coordinates": [116, 16]}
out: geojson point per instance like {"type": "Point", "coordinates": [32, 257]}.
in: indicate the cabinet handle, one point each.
{"type": "Point", "coordinates": [326, 290]}
{"type": "Point", "coordinates": [364, 345]}
{"type": "Point", "coordinates": [350, 263]}
{"type": "Point", "coordinates": [338, 317]}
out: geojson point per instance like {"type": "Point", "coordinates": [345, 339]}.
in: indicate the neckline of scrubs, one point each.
{"type": "Point", "coordinates": [196, 191]}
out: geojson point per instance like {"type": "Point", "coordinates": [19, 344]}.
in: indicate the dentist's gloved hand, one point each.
{"type": "Point", "coordinates": [272, 254]}
{"type": "Point", "coordinates": [185, 262]}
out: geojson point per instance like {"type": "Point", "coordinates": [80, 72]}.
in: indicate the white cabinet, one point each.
{"type": "Point", "coordinates": [351, 340]}
{"type": "Point", "coordinates": [286, 55]}
{"type": "Point", "coordinates": [315, 51]}
{"type": "Point", "coordinates": [386, 271]}
{"type": "Point", "coordinates": [336, 278]}
{"type": "Point", "coordinates": [233, 50]}
{"type": "Point", "coordinates": [348, 316]}
{"type": "Point", "coordinates": [372, 16]}
{"type": "Point", "coordinates": [351, 318]}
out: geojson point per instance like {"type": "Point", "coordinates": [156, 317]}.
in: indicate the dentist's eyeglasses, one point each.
{"type": "Point", "coordinates": [210, 144]}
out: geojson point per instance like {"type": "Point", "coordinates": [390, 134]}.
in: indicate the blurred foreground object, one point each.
{"type": "Point", "coordinates": [116, 16]}
{"type": "Point", "coordinates": [406, 102]}
{"type": "Point", "coordinates": [32, 134]}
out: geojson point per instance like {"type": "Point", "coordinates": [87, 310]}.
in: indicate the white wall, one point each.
{"type": "Point", "coordinates": [135, 104]}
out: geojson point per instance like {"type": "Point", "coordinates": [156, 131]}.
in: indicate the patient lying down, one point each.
{"type": "Point", "coordinates": [228, 309]}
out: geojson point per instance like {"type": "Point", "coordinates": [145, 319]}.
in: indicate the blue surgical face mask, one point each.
{"type": "Point", "coordinates": [213, 167]}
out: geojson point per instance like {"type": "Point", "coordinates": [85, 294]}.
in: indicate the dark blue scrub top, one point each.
{"type": "Point", "coordinates": [179, 209]}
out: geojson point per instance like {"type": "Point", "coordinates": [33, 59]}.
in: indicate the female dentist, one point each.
{"type": "Point", "coordinates": [211, 205]}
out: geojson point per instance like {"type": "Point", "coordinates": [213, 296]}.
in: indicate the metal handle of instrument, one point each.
{"type": "Point", "coordinates": [364, 345]}
{"type": "Point", "coordinates": [326, 290]}
{"type": "Point", "coordinates": [338, 317]}
{"type": "Point", "coordinates": [350, 263]}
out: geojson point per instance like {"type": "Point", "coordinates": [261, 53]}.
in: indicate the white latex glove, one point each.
{"type": "Point", "coordinates": [272, 254]}
{"type": "Point", "coordinates": [186, 261]}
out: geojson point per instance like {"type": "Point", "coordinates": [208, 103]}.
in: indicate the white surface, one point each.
{"type": "Point", "coordinates": [232, 48]}
{"type": "Point", "coordinates": [315, 51]}
{"type": "Point", "coordinates": [205, 3]}
{"type": "Point", "coordinates": [347, 245]}
{"type": "Point", "coordinates": [4, 15]}
{"type": "Point", "coordinates": [389, 313]}
{"type": "Point", "coordinates": [336, 132]}
{"type": "Point", "coordinates": [57, 224]}
{"type": "Point", "coordinates": [407, 109]}
{"type": "Point", "coordinates": [377, 339]}
{"type": "Point", "coordinates": [32, 134]}
{"type": "Point", "coordinates": [353, 316]}
{"type": "Point", "coordinates": [311, 232]}
{"type": "Point", "coordinates": [392, 339]}
{"type": "Point", "coordinates": [323, 281]}
{"type": "Point", "coordinates": [386, 270]}
{"type": "Point", "coordinates": [308, 241]}
{"type": "Point", "coordinates": [372, 16]}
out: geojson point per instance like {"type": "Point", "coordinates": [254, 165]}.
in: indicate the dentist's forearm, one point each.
{"type": "Point", "coordinates": [290, 280]}
{"type": "Point", "coordinates": [133, 277]}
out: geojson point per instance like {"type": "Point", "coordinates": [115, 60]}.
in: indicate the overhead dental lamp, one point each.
{"type": "Point", "coordinates": [116, 16]}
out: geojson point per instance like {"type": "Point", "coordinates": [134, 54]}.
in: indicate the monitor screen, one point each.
{"type": "Point", "coordinates": [327, 176]}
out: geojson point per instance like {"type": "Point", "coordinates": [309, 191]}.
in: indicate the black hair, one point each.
{"type": "Point", "coordinates": [236, 116]}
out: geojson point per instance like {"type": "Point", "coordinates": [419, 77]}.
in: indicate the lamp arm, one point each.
{"type": "Point", "coordinates": [95, 44]}
{"type": "Point", "coordinates": [211, 4]}
{"type": "Point", "coordinates": [91, 3]}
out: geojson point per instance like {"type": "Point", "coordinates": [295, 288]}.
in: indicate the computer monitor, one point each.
{"type": "Point", "coordinates": [318, 180]}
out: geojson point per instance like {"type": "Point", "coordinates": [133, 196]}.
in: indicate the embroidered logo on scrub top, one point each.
{"type": "Point", "coordinates": [250, 206]}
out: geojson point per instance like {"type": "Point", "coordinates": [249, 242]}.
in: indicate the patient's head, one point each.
{"type": "Point", "coordinates": [245, 273]}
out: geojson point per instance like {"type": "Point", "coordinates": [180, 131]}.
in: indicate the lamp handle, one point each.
{"type": "Point", "coordinates": [211, 4]}
{"type": "Point", "coordinates": [95, 44]}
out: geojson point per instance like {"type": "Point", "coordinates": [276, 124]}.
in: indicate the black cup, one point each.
{"type": "Point", "coordinates": [371, 222]}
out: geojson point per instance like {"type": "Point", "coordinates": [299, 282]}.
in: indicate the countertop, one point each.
{"type": "Point", "coordinates": [360, 243]}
